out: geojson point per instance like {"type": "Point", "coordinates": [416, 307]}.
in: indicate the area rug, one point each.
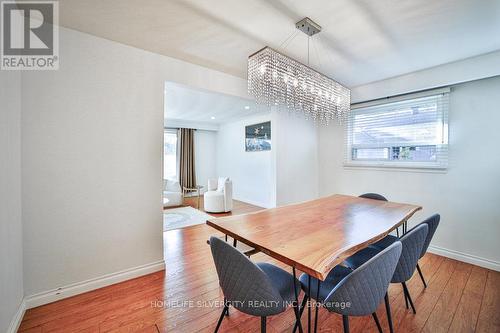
{"type": "Point", "coordinates": [176, 218]}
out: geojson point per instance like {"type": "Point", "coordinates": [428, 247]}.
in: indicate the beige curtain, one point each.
{"type": "Point", "coordinates": [187, 175]}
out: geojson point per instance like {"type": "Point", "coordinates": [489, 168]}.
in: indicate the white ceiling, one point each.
{"type": "Point", "coordinates": [362, 41]}
{"type": "Point", "coordinates": [194, 105]}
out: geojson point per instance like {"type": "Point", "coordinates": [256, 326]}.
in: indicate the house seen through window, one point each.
{"type": "Point", "coordinates": [412, 132]}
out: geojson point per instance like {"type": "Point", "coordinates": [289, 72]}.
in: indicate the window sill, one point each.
{"type": "Point", "coordinates": [399, 168]}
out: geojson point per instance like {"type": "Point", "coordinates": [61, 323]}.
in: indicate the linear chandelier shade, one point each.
{"type": "Point", "coordinates": [276, 80]}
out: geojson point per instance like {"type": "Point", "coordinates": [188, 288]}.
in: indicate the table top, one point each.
{"type": "Point", "coordinates": [315, 236]}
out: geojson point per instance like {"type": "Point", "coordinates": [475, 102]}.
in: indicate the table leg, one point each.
{"type": "Point", "coordinates": [309, 305]}
{"type": "Point", "coordinates": [318, 304]}
{"type": "Point", "coordinates": [296, 307]}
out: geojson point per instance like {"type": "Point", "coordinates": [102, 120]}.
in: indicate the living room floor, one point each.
{"type": "Point", "coordinates": [239, 207]}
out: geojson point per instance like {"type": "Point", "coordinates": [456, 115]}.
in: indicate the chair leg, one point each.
{"type": "Point", "coordinates": [345, 320]}
{"type": "Point", "coordinates": [388, 310]}
{"type": "Point", "coordinates": [404, 294]}
{"type": "Point", "coordinates": [409, 297]}
{"type": "Point", "coordinates": [421, 275]}
{"type": "Point", "coordinates": [263, 324]}
{"type": "Point", "coordinates": [220, 318]}
{"type": "Point", "coordinates": [226, 307]}
{"type": "Point", "coordinates": [302, 307]}
{"type": "Point", "coordinates": [377, 322]}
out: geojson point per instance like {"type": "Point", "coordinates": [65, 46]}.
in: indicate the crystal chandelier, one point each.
{"type": "Point", "coordinates": [276, 80]}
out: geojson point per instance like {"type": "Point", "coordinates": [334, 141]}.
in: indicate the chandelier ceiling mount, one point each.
{"type": "Point", "coordinates": [308, 26]}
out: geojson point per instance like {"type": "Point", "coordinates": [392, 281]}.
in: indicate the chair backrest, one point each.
{"type": "Point", "coordinates": [221, 182]}
{"type": "Point", "coordinates": [243, 283]}
{"type": "Point", "coordinates": [432, 222]}
{"type": "Point", "coordinates": [413, 242]}
{"type": "Point", "coordinates": [212, 184]}
{"type": "Point", "coordinates": [374, 196]}
{"type": "Point", "coordinates": [360, 292]}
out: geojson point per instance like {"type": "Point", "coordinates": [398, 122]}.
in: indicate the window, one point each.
{"type": "Point", "coordinates": [170, 159]}
{"type": "Point", "coordinates": [409, 131]}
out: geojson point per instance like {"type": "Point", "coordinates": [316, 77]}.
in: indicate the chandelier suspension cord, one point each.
{"type": "Point", "coordinates": [308, 37]}
{"type": "Point", "coordinates": [318, 56]}
{"type": "Point", "coordinates": [288, 40]}
{"type": "Point", "coordinates": [330, 60]}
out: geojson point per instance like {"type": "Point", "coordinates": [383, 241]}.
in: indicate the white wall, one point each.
{"type": "Point", "coordinates": [253, 173]}
{"type": "Point", "coordinates": [11, 251]}
{"type": "Point", "coordinates": [286, 174]}
{"type": "Point", "coordinates": [466, 195]}
{"type": "Point", "coordinates": [205, 156]}
{"type": "Point", "coordinates": [91, 155]}
{"type": "Point", "coordinates": [296, 159]}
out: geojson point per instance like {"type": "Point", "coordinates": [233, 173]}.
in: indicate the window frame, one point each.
{"type": "Point", "coordinates": [177, 155]}
{"type": "Point", "coordinates": [442, 148]}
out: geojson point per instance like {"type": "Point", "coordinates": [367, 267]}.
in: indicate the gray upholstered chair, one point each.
{"type": "Point", "coordinates": [432, 222]}
{"type": "Point", "coordinates": [355, 292]}
{"type": "Point", "coordinates": [258, 289]}
{"type": "Point", "coordinates": [374, 196]}
{"type": "Point", "coordinates": [413, 243]}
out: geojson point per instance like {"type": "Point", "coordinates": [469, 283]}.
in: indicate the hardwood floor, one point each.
{"type": "Point", "coordinates": [239, 207]}
{"type": "Point", "coordinates": [459, 298]}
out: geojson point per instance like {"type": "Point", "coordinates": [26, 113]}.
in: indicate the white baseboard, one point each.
{"type": "Point", "coordinates": [468, 258]}
{"type": "Point", "coordinates": [18, 317]}
{"type": "Point", "coordinates": [91, 284]}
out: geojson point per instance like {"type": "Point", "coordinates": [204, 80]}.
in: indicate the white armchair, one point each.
{"type": "Point", "coordinates": [219, 195]}
{"type": "Point", "coordinates": [172, 193]}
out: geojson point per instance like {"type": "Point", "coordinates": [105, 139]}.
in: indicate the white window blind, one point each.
{"type": "Point", "coordinates": [407, 131]}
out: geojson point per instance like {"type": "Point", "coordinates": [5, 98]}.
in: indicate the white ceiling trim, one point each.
{"type": "Point", "coordinates": [470, 69]}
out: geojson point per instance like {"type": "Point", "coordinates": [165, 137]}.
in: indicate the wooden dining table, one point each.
{"type": "Point", "coordinates": [316, 235]}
